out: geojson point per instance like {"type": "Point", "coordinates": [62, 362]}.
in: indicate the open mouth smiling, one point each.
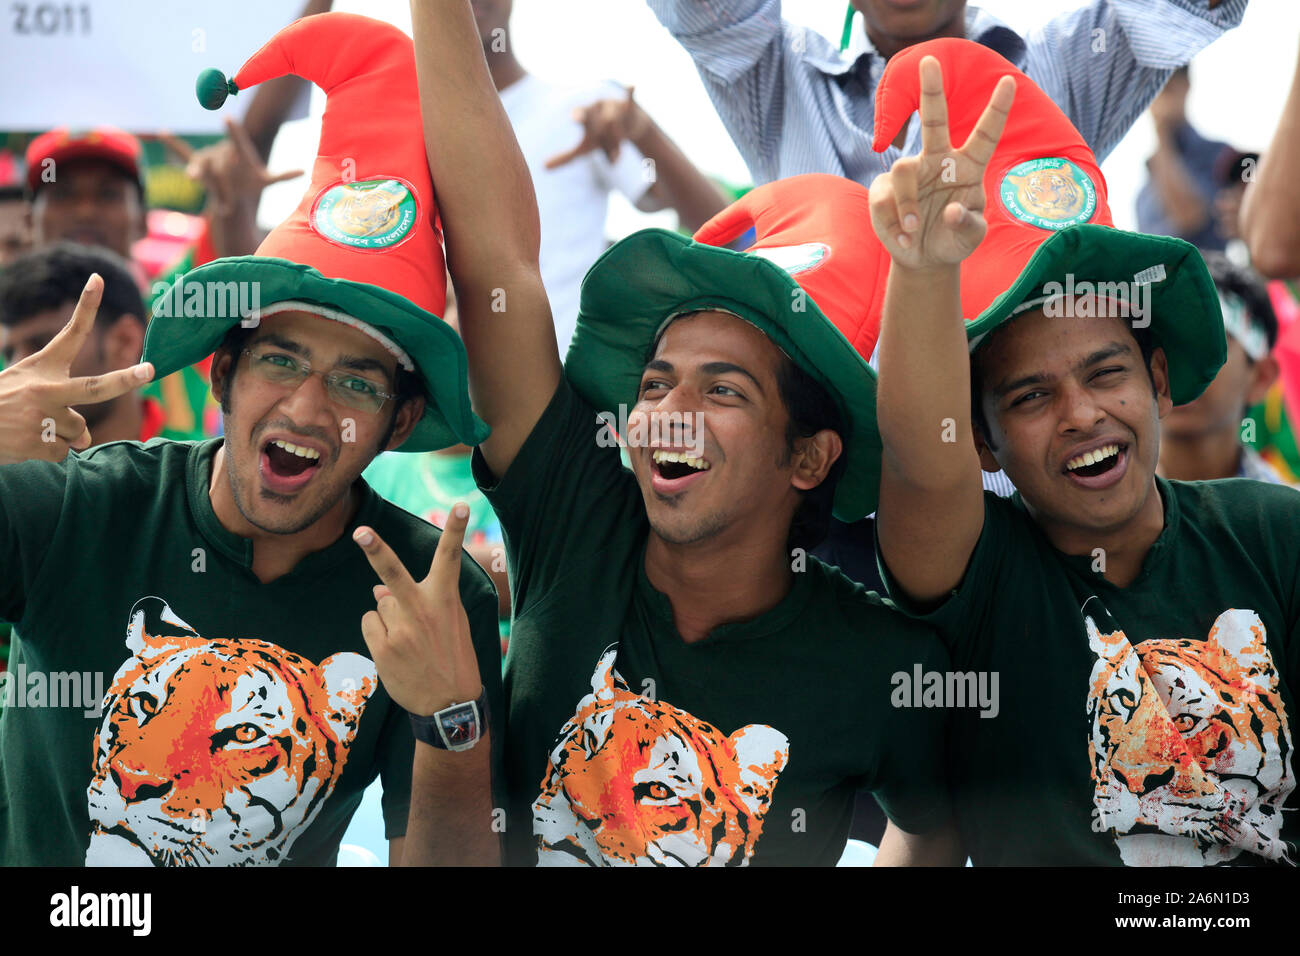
{"type": "Point", "coordinates": [286, 466]}
{"type": "Point", "coordinates": [1099, 465]}
{"type": "Point", "coordinates": [673, 470]}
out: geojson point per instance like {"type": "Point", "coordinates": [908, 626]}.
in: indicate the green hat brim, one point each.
{"type": "Point", "coordinates": [651, 275]}
{"type": "Point", "coordinates": [1184, 314]}
{"type": "Point", "coordinates": [175, 341]}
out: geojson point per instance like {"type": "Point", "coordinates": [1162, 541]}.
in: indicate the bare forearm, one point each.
{"type": "Point", "coordinates": [274, 98]}
{"type": "Point", "coordinates": [1270, 210]}
{"type": "Point", "coordinates": [941, 847]}
{"type": "Point", "coordinates": [485, 195]}
{"type": "Point", "coordinates": [451, 818]}
{"type": "Point", "coordinates": [234, 230]}
{"type": "Point", "coordinates": [923, 401]}
{"type": "Point", "coordinates": [678, 184]}
{"type": "Point", "coordinates": [489, 215]}
{"type": "Point", "coordinates": [1184, 206]}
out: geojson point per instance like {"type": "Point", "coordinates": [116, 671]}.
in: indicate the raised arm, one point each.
{"type": "Point", "coordinates": [489, 217]}
{"type": "Point", "coordinates": [738, 47]}
{"type": "Point", "coordinates": [676, 182]}
{"type": "Point", "coordinates": [1270, 210]}
{"type": "Point", "coordinates": [1104, 63]}
{"type": "Point", "coordinates": [928, 212]}
{"type": "Point", "coordinates": [38, 396]}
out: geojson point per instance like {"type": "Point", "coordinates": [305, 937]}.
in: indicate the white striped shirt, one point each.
{"type": "Point", "coordinates": [795, 104]}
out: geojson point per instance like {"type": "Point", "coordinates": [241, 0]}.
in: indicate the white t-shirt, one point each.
{"type": "Point", "coordinates": [572, 200]}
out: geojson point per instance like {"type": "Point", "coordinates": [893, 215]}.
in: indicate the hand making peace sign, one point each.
{"type": "Point", "coordinates": [418, 634]}
{"type": "Point", "coordinates": [37, 395]}
{"type": "Point", "coordinates": [928, 209]}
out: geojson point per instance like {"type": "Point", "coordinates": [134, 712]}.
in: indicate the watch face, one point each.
{"type": "Point", "coordinates": [460, 726]}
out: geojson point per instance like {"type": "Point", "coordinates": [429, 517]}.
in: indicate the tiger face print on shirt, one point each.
{"type": "Point", "coordinates": [1191, 749]}
{"type": "Point", "coordinates": [216, 752]}
{"type": "Point", "coordinates": [639, 782]}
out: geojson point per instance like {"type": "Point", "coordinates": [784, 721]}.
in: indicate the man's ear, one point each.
{"type": "Point", "coordinates": [409, 414]}
{"type": "Point", "coordinates": [814, 457]}
{"type": "Point", "coordinates": [124, 341]}
{"type": "Point", "coordinates": [987, 461]}
{"type": "Point", "coordinates": [219, 373]}
{"type": "Point", "coordinates": [1262, 377]}
{"type": "Point", "coordinates": [1160, 376]}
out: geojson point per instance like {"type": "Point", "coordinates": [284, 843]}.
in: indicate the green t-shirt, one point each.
{"type": "Point", "coordinates": [628, 745]}
{"type": "Point", "coordinates": [243, 720]}
{"type": "Point", "coordinates": [1146, 725]}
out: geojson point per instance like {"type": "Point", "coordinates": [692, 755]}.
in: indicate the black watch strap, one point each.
{"type": "Point", "coordinates": [456, 727]}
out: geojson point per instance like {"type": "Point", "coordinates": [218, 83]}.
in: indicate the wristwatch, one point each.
{"type": "Point", "coordinates": [456, 727]}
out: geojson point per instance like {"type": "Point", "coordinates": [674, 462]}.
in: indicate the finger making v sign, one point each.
{"type": "Point", "coordinates": [928, 209]}
{"type": "Point", "coordinates": [38, 419]}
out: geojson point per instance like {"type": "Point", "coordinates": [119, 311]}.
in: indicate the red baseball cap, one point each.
{"type": "Point", "coordinates": [105, 143]}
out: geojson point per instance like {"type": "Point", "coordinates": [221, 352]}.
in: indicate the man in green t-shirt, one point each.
{"type": "Point", "coordinates": [686, 686]}
{"type": "Point", "coordinates": [193, 616]}
{"type": "Point", "coordinates": [1144, 630]}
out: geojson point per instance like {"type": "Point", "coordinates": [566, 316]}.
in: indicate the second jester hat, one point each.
{"type": "Point", "coordinates": [363, 246]}
{"type": "Point", "coordinates": [1050, 231]}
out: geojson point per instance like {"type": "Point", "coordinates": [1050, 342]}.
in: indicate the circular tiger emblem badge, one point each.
{"type": "Point", "coordinates": [367, 214]}
{"type": "Point", "coordinates": [1048, 193]}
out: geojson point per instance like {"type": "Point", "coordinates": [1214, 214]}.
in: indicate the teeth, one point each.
{"type": "Point", "coordinates": [660, 456]}
{"type": "Point", "coordinates": [298, 450]}
{"type": "Point", "coordinates": [1092, 457]}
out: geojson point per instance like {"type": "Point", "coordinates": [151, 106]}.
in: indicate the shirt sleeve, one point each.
{"type": "Point", "coordinates": [1104, 64]}
{"type": "Point", "coordinates": [968, 609]}
{"type": "Point", "coordinates": [32, 497]}
{"type": "Point", "coordinates": [566, 494]}
{"type": "Point", "coordinates": [627, 174]}
{"type": "Point", "coordinates": [739, 49]}
{"type": "Point", "coordinates": [917, 798]}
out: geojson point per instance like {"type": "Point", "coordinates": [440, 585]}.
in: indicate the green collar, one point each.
{"type": "Point", "coordinates": [769, 622]}
{"type": "Point", "coordinates": [1081, 564]}
{"type": "Point", "coordinates": [198, 478]}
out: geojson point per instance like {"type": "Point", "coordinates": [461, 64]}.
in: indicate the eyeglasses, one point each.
{"type": "Point", "coordinates": [344, 388]}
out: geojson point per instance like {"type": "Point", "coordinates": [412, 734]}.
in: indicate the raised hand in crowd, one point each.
{"type": "Point", "coordinates": [676, 182]}
{"type": "Point", "coordinates": [233, 174]}
{"type": "Point", "coordinates": [38, 395]}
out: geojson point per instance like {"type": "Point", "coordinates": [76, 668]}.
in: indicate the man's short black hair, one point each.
{"type": "Point", "coordinates": [1145, 345]}
{"type": "Point", "coordinates": [53, 277]}
{"type": "Point", "coordinates": [406, 385]}
{"type": "Point", "coordinates": [1247, 285]}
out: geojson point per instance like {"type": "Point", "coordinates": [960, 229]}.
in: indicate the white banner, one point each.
{"type": "Point", "coordinates": [126, 63]}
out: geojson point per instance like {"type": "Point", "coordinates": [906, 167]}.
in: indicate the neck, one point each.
{"type": "Point", "coordinates": [121, 422]}
{"type": "Point", "coordinates": [716, 582]}
{"type": "Point", "coordinates": [1117, 552]}
{"type": "Point", "coordinates": [887, 45]}
{"type": "Point", "coordinates": [275, 554]}
{"type": "Point", "coordinates": [502, 65]}
{"type": "Point", "coordinates": [1203, 457]}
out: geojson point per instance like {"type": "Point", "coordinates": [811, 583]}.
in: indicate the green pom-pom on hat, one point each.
{"type": "Point", "coordinates": [212, 88]}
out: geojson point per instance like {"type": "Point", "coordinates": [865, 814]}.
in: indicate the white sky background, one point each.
{"type": "Point", "coordinates": [1239, 84]}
